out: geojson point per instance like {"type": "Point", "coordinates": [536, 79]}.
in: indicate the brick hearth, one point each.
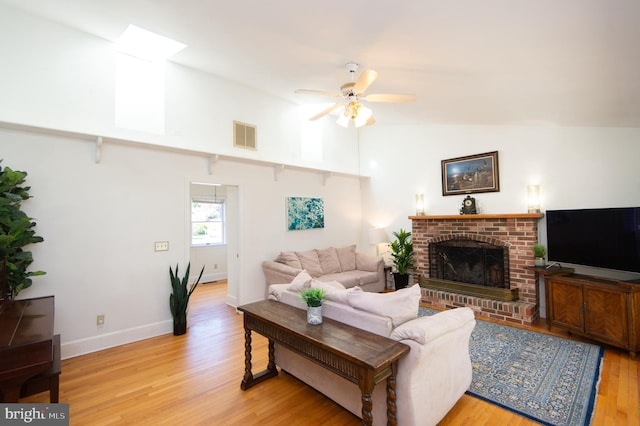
{"type": "Point", "coordinates": [517, 232]}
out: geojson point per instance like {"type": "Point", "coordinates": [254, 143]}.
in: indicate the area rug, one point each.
{"type": "Point", "coordinates": [545, 378]}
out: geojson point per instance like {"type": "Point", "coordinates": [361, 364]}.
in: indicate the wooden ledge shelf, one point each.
{"type": "Point", "coordinates": [480, 216]}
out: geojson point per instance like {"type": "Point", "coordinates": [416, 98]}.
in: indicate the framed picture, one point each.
{"type": "Point", "coordinates": [473, 173]}
{"type": "Point", "coordinates": [304, 213]}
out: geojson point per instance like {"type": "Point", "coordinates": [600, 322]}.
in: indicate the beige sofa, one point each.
{"type": "Point", "coordinates": [430, 378]}
{"type": "Point", "coordinates": [343, 264]}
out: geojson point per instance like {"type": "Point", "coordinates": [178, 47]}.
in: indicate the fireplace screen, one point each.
{"type": "Point", "coordinates": [469, 261]}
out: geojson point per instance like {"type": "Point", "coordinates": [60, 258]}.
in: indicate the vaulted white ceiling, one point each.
{"type": "Point", "coordinates": [568, 62]}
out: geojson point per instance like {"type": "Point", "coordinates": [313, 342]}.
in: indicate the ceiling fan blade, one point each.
{"type": "Point", "coordinates": [326, 111]}
{"type": "Point", "coordinates": [370, 121]}
{"type": "Point", "coordinates": [390, 98]}
{"type": "Point", "coordinates": [366, 78]}
{"type": "Point", "coordinates": [319, 92]}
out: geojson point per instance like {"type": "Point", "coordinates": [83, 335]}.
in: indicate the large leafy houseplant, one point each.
{"type": "Point", "coordinates": [179, 298]}
{"type": "Point", "coordinates": [402, 253]}
{"type": "Point", "coordinates": [16, 232]}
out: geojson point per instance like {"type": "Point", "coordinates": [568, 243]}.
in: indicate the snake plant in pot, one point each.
{"type": "Point", "coordinates": [16, 232]}
{"type": "Point", "coordinates": [179, 298]}
{"type": "Point", "coordinates": [402, 253]}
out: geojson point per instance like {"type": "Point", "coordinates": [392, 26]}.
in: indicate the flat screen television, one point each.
{"type": "Point", "coordinates": [603, 238]}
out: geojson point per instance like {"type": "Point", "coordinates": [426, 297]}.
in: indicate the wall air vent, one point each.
{"type": "Point", "coordinates": [244, 135]}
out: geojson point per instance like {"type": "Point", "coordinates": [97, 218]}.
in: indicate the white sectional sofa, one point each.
{"type": "Point", "coordinates": [343, 264]}
{"type": "Point", "coordinates": [430, 378]}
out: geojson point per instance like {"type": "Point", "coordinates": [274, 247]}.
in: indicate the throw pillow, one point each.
{"type": "Point", "coordinates": [302, 280]}
{"type": "Point", "coordinates": [426, 329]}
{"type": "Point", "coordinates": [347, 257]}
{"type": "Point", "coordinates": [367, 262]}
{"type": "Point", "coordinates": [334, 291]}
{"type": "Point", "coordinates": [329, 261]}
{"type": "Point", "coordinates": [411, 330]}
{"type": "Point", "coordinates": [400, 306]}
{"type": "Point", "coordinates": [310, 262]}
{"type": "Point", "coordinates": [289, 258]}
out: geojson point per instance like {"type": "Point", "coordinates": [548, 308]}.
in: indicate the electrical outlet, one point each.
{"type": "Point", "coordinates": [162, 246]}
{"type": "Point", "coordinates": [215, 266]}
{"type": "Point", "coordinates": [100, 320]}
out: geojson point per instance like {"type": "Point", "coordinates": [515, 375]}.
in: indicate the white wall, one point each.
{"type": "Point", "coordinates": [99, 223]}
{"type": "Point", "coordinates": [575, 167]}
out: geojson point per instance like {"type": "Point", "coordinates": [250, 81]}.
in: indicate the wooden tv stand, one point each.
{"type": "Point", "coordinates": [601, 309]}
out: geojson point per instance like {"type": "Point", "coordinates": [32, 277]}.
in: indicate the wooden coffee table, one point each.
{"type": "Point", "coordinates": [359, 356]}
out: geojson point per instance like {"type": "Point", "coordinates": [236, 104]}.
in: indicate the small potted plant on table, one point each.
{"type": "Point", "coordinates": [538, 253]}
{"type": "Point", "coordinates": [313, 298]}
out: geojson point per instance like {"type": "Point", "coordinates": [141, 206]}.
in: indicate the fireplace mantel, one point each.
{"type": "Point", "coordinates": [480, 216]}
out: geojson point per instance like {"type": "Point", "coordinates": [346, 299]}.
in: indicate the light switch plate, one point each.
{"type": "Point", "coordinates": [162, 246]}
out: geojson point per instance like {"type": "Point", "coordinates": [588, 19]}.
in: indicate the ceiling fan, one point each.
{"type": "Point", "coordinates": [352, 94]}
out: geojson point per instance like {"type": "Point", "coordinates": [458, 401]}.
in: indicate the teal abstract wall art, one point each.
{"type": "Point", "coordinates": [304, 213]}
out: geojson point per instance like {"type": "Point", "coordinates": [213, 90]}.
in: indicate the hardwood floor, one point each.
{"type": "Point", "coordinates": [195, 380]}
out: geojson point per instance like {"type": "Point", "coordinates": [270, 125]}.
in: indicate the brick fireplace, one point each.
{"type": "Point", "coordinates": [515, 233]}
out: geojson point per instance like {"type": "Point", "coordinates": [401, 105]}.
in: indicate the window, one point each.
{"type": "Point", "coordinates": [139, 94]}
{"type": "Point", "coordinates": [139, 79]}
{"type": "Point", "coordinates": [311, 135]}
{"type": "Point", "coordinates": [207, 221]}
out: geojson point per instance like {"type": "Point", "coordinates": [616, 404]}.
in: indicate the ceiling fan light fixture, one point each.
{"type": "Point", "coordinates": [352, 93]}
{"type": "Point", "coordinates": [363, 116]}
{"type": "Point", "coordinates": [343, 119]}
{"type": "Point", "coordinates": [353, 109]}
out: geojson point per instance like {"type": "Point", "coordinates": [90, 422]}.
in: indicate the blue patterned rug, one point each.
{"type": "Point", "coordinates": [545, 378]}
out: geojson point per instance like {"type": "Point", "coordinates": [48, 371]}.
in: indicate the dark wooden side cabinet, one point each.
{"type": "Point", "coordinates": [601, 309]}
{"type": "Point", "coordinates": [26, 344]}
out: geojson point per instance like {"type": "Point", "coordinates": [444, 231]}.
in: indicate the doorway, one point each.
{"type": "Point", "coordinates": [212, 240]}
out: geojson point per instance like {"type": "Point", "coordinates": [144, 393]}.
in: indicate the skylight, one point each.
{"type": "Point", "coordinates": [146, 45]}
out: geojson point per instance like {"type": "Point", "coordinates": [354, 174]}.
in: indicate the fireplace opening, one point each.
{"type": "Point", "coordinates": [469, 261]}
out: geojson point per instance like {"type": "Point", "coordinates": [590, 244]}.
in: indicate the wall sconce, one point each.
{"type": "Point", "coordinates": [533, 202]}
{"type": "Point", "coordinates": [377, 236]}
{"type": "Point", "coordinates": [420, 205]}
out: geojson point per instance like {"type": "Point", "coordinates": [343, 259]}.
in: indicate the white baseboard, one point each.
{"type": "Point", "coordinates": [116, 338]}
{"type": "Point", "coordinates": [122, 337]}
{"type": "Point", "coordinates": [208, 278]}
{"type": "Point", "coordinates": [232, 301]}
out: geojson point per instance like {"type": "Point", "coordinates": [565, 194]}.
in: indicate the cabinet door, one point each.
{"type": "Point", "coordinates": [606, 316]}
{"type": "Point", "coordinates": [566, 305]}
